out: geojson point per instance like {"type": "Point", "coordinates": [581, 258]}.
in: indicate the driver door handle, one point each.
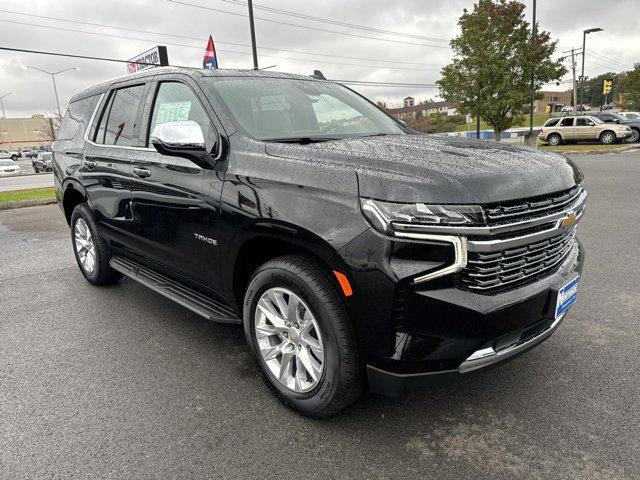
{"type": "Point", "coordinates": [141, 172]}
{"type": "Point", "coordinates": [90, 164]}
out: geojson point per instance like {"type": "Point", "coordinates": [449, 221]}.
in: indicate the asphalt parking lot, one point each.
{"type": "Point", "coordinates": [119, 382]}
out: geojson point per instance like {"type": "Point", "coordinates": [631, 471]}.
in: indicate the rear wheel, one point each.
{"type": "Point", "coordinates": [301, 337]}
{"type": "Point", "coordinates": [635, 136]}
{"type": "Point", "coordinates": [14, 157]}
{"type": "Point", "coordinates": [91, 251]}
{"type": "Point", "coordinates": [608, 138]}
{"type": "Point", "coordinates": [554, 140]}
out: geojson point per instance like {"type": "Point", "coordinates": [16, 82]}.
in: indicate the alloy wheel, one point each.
{"type": "Point", "coordinates": [85, 248]}
{"type": "Point", "coordinates": [289, 339]}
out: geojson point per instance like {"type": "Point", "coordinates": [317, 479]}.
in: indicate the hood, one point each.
{"type": "Point", "coordinates": [439, 169]}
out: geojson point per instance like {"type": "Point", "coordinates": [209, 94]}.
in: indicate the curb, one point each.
{"type": "Point", "coordinates": [27, 203]}
{"type": "Point", "coordinates": [595, 152]}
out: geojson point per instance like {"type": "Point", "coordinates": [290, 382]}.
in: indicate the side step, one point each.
{"type": "Point", "coordinates": [185, 296]}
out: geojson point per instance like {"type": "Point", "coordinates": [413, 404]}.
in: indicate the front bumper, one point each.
{"type": "Point", "coordinates": [450, 334]}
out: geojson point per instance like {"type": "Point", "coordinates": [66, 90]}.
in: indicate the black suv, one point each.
{"type": "Point", "coordinates": [352, 250]}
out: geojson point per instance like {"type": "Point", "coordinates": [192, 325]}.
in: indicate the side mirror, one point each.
{"type": "Point", "coordinates": [185, 139]}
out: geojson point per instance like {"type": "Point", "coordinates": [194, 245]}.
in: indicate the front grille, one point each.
{"type": "Point", "coordinates": [513, 267]}
{"type": "Point", "coordinates": [531, 207]}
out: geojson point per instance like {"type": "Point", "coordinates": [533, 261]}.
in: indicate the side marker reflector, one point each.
{"type": "Point", "coordinates": [344, 283]}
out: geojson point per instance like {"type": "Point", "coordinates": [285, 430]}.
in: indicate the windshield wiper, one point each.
{"type": "Point", "coordinates": [300, 140]}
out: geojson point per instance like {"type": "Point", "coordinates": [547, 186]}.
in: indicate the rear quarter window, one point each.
{"type": "Point", "coordinates": [552, 123]}
{"type": "Point", "coordinates": [77, 118]}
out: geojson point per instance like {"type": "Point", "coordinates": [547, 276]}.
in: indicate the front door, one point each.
{"type": "Point", "coordinates": [175, 202]}
{"type": "Point", "coordinates": [585, 129]}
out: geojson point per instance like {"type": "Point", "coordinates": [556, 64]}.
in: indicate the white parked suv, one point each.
{"type": "Point", "coordinates": [12, 155]}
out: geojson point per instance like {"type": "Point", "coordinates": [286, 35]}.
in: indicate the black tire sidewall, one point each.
{"type": "Point", "coordinates": [318, 398]}
{"type": "Point", "coordinates": [102, 274]}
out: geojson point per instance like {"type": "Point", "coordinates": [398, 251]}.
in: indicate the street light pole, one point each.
{"type": "Point", "coordinates": [4, 116]}
{"type": "Point", "coordinates": [55, 88]}
{"type": "Point", "coordinates": [253, 35]}
{"type": "Point", "coordinates": [584, 54]}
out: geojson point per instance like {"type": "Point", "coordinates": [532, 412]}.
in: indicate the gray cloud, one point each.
{"type": "Point", "coordinates": [565, 19]}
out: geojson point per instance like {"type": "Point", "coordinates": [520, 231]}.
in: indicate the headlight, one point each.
{"type": "Point", "coordinates": [382, 215]}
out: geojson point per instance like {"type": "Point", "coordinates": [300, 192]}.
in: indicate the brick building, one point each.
{"type": "Point", "coordinates": [25, 133]}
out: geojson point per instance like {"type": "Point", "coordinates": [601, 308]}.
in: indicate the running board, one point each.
{"type": "Point", "coordinates": [179, 293]}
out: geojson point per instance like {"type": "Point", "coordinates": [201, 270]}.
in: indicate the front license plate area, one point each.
{"type": "Point", "coordinates": [567, 296]}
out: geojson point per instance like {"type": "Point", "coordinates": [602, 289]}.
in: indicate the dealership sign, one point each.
{"type": "Point", "coordinates": [157, 56]}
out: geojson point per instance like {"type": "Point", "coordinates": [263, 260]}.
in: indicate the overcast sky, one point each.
{"type": "Point", "coordinates": [615, 49]}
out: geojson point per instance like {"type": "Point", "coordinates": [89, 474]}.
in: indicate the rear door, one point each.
{"type": "Point", "coordinates": [176, 203]}
{"type": "Point", "coordinates": [106, 169]}
{"type": "Point", "coordinates": [567, 129]}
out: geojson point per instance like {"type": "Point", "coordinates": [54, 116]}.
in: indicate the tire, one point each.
{"type": "Point", "coordinates": [35, 169]}
{"type": "Point", "coordinates": [340, 378]}
{"type": "Point", "coordinates": [634, 137]}
{"type": "Point", "coordinates": [554, 140]}
{"type": "Point", "coordinates": [607, 137]}
{"type": "Point", "coordinates": [100, 272]}
{"type": "Point", "coordinates": [14, 158]}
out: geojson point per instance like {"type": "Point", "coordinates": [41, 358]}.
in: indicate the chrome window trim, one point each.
{"type": "Point", "coordinates": [459, 248]}
{"type": "Point", "coordinates": [578, 205]}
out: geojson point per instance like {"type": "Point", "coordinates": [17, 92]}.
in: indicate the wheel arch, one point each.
{"type": "Point", "coordinates": [72, 196]}
{"type": "Point", "coordinates": [267, 245]}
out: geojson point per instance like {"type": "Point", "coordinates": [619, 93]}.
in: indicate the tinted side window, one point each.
{"type": "Point", "coordinates": [77, 117]}
{"type": "Point", "coordinates": [567, 122]}
{"type": "Point", "coordinates": [552, 123]}
{"type": "Point", "coordinates": [583, 122]}
{"type": "Point", "coordinates": [117, 125]}
{"type": "Point", "coordinates": [176, 102]}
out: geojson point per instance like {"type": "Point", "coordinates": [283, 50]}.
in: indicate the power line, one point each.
{"type": "Point", "coordinates": [293, 59]}
{"type": "Point", "coordinates": [106, 59]}
{"type": "Point", "coordinates": [336, 22]}
{"type": "Point", "coordinates": [11, 12]}
{"type": "Point", "coordinates": [305, 26]}
{"type": "Point", "coordinates": [609, 60]}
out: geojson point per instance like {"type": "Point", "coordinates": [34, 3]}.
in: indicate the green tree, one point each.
{"type": "Point", "coordinates": [490, 74]}
{"type": "Point", "coordinates": [630, 88]}
{"type": "Point", "coordinates": [382, 104]}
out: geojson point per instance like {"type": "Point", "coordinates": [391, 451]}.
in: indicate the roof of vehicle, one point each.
{"type": "Point", "coordinates": [104, 86]}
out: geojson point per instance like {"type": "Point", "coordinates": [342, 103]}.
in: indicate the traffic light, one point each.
{"type": "Point", "coordinates": [607, 86]}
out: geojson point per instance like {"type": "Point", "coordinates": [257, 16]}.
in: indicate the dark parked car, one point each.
{"type": "Point", "coordinates": [42, 162]}
{"type": "Point", "coordinates": [351, 249]}
{"type": "Point", "coordinates": [619, 119]}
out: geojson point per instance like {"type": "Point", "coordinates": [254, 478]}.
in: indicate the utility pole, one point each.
{"type": "Point", "coordinates": [253, 35]}
{"type": "Point", "coordinates": [575, 82]}
{"type": "Point", "coordinates": [478, 126]}
{"type": "Point", "coordinates": [534, 32]}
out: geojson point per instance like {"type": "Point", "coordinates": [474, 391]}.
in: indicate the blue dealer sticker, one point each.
{"type": "Point", "coordinates": [567, 296]}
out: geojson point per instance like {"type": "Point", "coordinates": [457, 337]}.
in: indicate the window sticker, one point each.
{"type": "Point", "coordinates": [173, 112]}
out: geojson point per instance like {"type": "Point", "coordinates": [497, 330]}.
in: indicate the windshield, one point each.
{"type": "Point", "coordinates": [7, 163]}
{"type": "Point", "coordinates": [632, 116]}
{"type": "Point", "coordinates": [46, 156]}
{"type": "Point", "coordinates": [285, 109]}
{"type": "Point", "coordinates": [596, 120]}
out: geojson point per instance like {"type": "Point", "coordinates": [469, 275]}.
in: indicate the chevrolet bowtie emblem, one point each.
{"type": "Point", "coordinates": [569, 220]}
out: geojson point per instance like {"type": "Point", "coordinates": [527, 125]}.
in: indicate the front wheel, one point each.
{"type": "Point", "coordinates": [91, 251]}
{"type": "Point", "coordinates": [14, 158]}
{"type": "Point", "coordinates": [301, 337]}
